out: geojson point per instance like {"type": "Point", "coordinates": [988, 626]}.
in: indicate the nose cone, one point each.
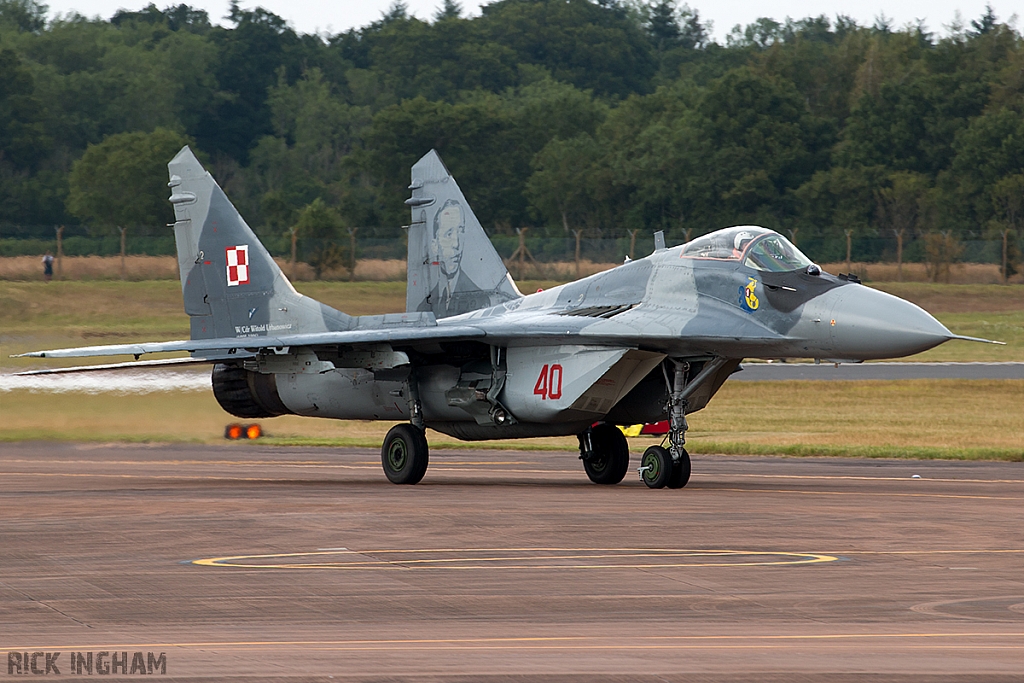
{"type": "Point", "coordinates": [872, 324]}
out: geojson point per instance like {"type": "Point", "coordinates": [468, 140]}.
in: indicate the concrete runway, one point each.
{"type": "Point", "coordinates": [305, 564]}
{"type": "Point", "coordinates": [761, 372]}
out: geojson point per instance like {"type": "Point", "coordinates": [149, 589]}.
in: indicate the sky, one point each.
{"type": "Point", "coordinates": [309, 16]}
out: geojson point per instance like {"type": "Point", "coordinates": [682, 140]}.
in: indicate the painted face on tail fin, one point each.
{"type": "Point", "coordinates": [449, 226]}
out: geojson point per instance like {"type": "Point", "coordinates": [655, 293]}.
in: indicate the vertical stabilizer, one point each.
{"type": "Point", "coordinates": [230, 283]}
{"type": "Point", "coordinates": [453, 267]}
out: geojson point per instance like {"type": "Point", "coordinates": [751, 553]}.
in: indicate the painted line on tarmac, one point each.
{"type": "Point", "coordinates": [161, 477]}
{"type": "Point", "coordinates": [884, 494]}
{"type": "Point", "coordinates": [552, 642]}
{"type": "Point", "coordinates": [487, 465]}
{"type": "Point", "coordinates": [542, 558]}
{"type": "Point", "coordinates": [491, 562]}
{"type": "Point", "coordinates": [464, 466]}
{"type": "Point", "coordinates": [248, 463]}
{"type": "Point", "coordinates": [286, 481]}
{"type": "Point", "coordinates": [279, 480]}
{"type": "Point", "coordinates": [862, 478]}
{"type": "Point", "coordinates": [989, 551]}
{"type": "Point", "coordinates": [238, 463]}
{"type": "Point", "coordinates": [400, 648]}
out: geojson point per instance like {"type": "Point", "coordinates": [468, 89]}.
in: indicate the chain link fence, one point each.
{"type": "Point", "coordinates": [526, 256]}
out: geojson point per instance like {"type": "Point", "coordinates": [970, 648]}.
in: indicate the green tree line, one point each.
{"type": "Point", "coordinates": [601, 116]}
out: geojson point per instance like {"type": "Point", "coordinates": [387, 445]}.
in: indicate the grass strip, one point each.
{"type": "Point", "coordinates": [17, 435]}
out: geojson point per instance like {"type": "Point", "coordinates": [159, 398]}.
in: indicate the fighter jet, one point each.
{"type": "Point", "coordinates": [474, 358]}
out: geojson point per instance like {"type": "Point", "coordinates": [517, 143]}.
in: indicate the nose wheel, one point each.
{"type": "Point", "coordinates": [659, 466]}
{"type": "Point", "coordinates": [659, 470]}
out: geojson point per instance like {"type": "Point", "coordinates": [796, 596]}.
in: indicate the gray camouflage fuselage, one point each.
{"type": "Point", "coordinates": [482, 360]}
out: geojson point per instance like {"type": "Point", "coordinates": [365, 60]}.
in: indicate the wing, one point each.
{"type": "Point", "coordinates": [224, 348]}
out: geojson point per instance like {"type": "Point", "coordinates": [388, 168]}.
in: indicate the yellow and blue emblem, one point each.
{"type": "Point", "coordinates": [748, 296]}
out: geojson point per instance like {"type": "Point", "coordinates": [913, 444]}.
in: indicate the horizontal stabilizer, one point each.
{"type": "Point", "coordinates": [134, 365]}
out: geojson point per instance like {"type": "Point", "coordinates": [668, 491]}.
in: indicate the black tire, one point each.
{"type": "Point", "coordinates": [680, 472]}
{"type": "Point", "coordinates": [610, 460]}
{"type": "Point", "coordinates": [658, 462]}
{"type": "Point", "coordinates": [405, 454]}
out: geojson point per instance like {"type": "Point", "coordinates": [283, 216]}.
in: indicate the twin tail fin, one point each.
{"type": "Point", "coordinates": [231, 285]}
{"type": "Point", "coordinates": [453, 267]}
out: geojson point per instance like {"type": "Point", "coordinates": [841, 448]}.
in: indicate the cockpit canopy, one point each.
{"type": "Point", "coordinates": [757, 248]}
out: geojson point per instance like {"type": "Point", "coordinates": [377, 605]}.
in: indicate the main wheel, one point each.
{"type": "Point", "coordinates": [657, 462]}
{"type": "Point", "coordinates": [404, 454]}
{"type": "Point", "coordinates": [680, 472]}
{"type": "Point", "coordinates": [610, 460]}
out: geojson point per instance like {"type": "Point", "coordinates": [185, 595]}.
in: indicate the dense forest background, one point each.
{"type": "Point", "coordinates": [602, 117]}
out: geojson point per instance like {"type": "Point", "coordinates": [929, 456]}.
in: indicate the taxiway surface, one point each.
{"type": "Point", "coordinates": [287, 563]}
{"type": "Point", "coordinates": [893, 370]}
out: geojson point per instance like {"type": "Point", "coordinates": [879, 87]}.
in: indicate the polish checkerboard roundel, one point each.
{"type": "Point", "coordinates": [238, 264]}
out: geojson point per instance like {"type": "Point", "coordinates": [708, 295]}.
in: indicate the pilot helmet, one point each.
{"type": "Point", "coordinates": [739, 242]}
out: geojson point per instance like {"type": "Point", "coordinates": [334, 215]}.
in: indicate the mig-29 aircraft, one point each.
{"type": "Point", "coordinates": [473, 358]}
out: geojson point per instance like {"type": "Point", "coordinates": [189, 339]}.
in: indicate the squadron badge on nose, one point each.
{"type": "Point", "coordinates": [748, 298]}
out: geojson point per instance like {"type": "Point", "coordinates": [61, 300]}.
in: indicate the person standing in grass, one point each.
{"type": "Point", "coordinates": [47, 266]}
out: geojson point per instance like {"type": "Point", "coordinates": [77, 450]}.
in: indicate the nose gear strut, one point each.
{"type": "Point", "coordinates": [677, 405]}
{"type": "Point", "coordinates": [653, 464]}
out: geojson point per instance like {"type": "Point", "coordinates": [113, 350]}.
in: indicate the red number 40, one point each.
{"type": "Point", "coordinates": [549, 384]}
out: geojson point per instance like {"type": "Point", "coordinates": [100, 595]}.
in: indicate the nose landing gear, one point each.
{"type": "Point", "coordinates": [661, 467]}
{"type": "Point", "coordinates": [659, 470]}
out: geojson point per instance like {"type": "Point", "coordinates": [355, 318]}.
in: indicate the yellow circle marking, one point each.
{"type": "Point", "coordinates": [527, 558]}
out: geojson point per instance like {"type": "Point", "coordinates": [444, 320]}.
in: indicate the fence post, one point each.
{"type": "Point", "coordinates": [521, 250]}
{"type": "Point", "coordinates": [122, 251]}
{"type": "Point", "coordinates": [60, 252]}
{"type": "Point", "coordinates": [294, 231]}
{"type": "Point", "coordinates": [578, 234]}
{"type": "Point", "coordinates": [849, 233]}
{"type": "Point", "coordinates": [1005, 272]}
{"type": "Point", "coordinates": [899, 254]}
{"type": "Point", "coordinates": [632, 243]}
{"type": "Point", "coordinates": [352, 254]}
{"type": "Point", "coordinates": [521, 253]}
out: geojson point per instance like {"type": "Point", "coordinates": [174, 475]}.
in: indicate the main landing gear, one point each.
{"type": "Point", "coordinates": [405, 453]}
{"type": "Point", "coordinates": [605, 454]}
